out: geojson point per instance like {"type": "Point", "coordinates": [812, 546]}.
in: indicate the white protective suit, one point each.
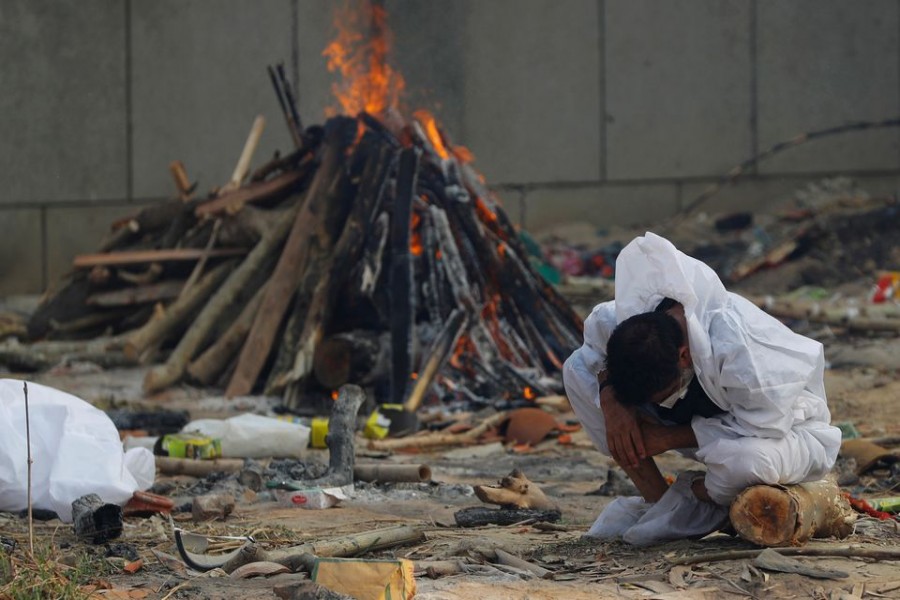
{"type": "Point", "coordinates": [767, 379]}
{"type": "Point", "coordinates": [75, 449]}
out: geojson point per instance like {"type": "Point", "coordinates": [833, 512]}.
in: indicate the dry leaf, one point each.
{"type": "Point", "coordinates": [258, 569]}
{"type": "Point", "coordinates": [134, 566]}
{"type": "Point", "coordinates": [679, 576]}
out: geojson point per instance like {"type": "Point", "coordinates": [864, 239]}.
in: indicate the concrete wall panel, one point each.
{"type": "Point", "coordinates": [77, 230]}
{"type": "Point", "coordinates": [678, 87]}
{"type": "Point", "coordinates": [602, 205]}
{"type": "Point", "coordinates": [21, 246]}
{"type": "Point", "coordinates": [532, 89]}
{"type": "Point", "coordinates": [199, 80]}
{"type": "Point", "coordinates": [62, 100]}
{"type": "Point", "coordinates": [315, 30]}
{"type": "Point", "coordinates": [762, 195]}
{"type": "Point", "coordinates": [824, 63]}
{"type": "Point", "coordinates": [430, 54]}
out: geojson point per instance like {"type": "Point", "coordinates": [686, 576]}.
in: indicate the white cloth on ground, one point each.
{"type": "Point", "coordinates": [679, 514]}
{"type": "Point", "coordinates": [75, 449]}
{"type": "Point", "coordinates": [767, 379]}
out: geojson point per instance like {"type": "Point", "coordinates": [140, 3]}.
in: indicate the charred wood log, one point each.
{"type": "Point", "coordinates": [437, 355]}
{"type": "Point", "coordinates": [294, 257]}
{"type": "Point", "coordinates": [361, 357]}
{"type": "Point", "coordinates": [341, 438]}
{"type": "Point", "coordinates": [401, 283]}
{"type": "Point", "coordinates": [478, 516]}
{"type": "Point", "coordinates": [95, 520]}
{"type": "Point", "coordinates": [332, 274]}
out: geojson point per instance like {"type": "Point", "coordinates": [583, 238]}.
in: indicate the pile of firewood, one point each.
{"type": "Point", "coordinates": [371, 254]}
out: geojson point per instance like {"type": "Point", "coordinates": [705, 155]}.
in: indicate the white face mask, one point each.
{"type": "Point", "coordinates": [672, 399]}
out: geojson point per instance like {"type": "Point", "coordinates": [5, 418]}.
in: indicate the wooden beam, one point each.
{"type": "Point", "coordinates": [134, 257]}
{"type": "Point", "coordinates": [252, 192]}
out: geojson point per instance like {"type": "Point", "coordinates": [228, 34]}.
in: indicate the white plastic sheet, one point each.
{"type": "Point", "coordinates": [254, 436]}
{"type": "Point", "coordinates": [75, 450]}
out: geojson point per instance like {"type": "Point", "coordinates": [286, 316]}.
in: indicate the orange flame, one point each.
{"type": "Point", "coordinates": [413, 375]}
{"type": "Point", "coordinates": [486, 214]}
{"type": "Point", "coordinates": [431, 130]}
{"type": "Point", "coordinates": [463, 154]}
{"type": "Point", "coordinates": [415, 243]}
{"type": "Point", "coordinates": [463, 345]}
{"type": "Point", "coordinates": [528, 393]}
{"type": "Point", "coordinates": [334, 394]}
{"type": "Point", "coordinates": [368, 82]}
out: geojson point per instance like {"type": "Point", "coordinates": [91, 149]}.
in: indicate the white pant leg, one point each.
{"type": "Point", "coordinates": [583, 391]}
{"type": "Point", "coordinates": [807, 453]}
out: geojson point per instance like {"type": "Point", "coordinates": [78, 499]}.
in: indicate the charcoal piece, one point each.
{"type": "Point", "coordinates": [95, 520]}
{"type": "Point", "coordinates": [478, 516]}
{"type": "Point", "coordinates": [38, 514]}
{"type": "Point", "coordinates": [123, 550]}
{"type": "Point", "coordinates": [7, 544]}
{"type": "Point", "coordinates": [154, 422]}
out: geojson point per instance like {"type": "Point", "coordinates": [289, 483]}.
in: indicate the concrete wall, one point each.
{"type": "Point", "coordinates": [604, 111]}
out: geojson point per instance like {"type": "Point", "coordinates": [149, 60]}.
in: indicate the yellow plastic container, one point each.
{"type": "Point", "coordinates": [192, 445]}
{"type": "Point", "coordinates": [319, 431]}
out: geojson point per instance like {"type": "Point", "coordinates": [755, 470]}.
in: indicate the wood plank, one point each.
{"type": "Point", "coordinates": [252, 192]}
{"type": "Point", "coordinates": [134, 257]}
{"type": "Point", "coordinates": [164, 290]}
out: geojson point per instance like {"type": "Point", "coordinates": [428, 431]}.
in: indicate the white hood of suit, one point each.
{"type": "Point", "coordinates": [766, 377]}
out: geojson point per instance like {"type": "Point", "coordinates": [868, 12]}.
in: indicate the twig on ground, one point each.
{"type": "Point", "coordinates": [849, 551]}
{"type": "Point", "coordinates": [28, 443]}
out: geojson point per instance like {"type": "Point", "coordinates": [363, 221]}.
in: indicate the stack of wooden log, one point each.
{"type": "Point", "coordinates": [371, 254]}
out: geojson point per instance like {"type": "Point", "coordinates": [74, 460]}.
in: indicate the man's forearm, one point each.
{"type": "Point", "coordinates": [661, 438]}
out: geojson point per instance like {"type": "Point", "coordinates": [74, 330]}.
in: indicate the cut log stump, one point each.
{"type": "Point", "coordinates": [776, 515]}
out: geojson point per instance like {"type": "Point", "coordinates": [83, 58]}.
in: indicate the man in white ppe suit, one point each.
{"type": "Point", "coordinates": [678, 362]}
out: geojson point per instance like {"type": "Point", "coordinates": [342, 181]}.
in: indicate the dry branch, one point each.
{"type": "Point", "coordinates": [157, 330]}
{"type": "Point", "coordinates": [431, 440]}
{"type": "Point", "coordinates": [849, 551]}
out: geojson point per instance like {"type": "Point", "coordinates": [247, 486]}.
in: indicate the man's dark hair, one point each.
{"type": "Point", "coordinates": [642, 356]}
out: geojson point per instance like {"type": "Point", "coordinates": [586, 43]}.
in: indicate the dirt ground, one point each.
{"type": "Point", "coordinates": [863, 390]}
{"type": "Point", "coordinates": [864, 393]}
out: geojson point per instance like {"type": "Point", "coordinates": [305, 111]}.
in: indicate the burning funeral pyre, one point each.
{"type": "Point", "coordinates": [373, 253]}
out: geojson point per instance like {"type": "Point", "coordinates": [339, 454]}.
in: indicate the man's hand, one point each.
{"type": "Point", "coordinates": [623, 432]}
